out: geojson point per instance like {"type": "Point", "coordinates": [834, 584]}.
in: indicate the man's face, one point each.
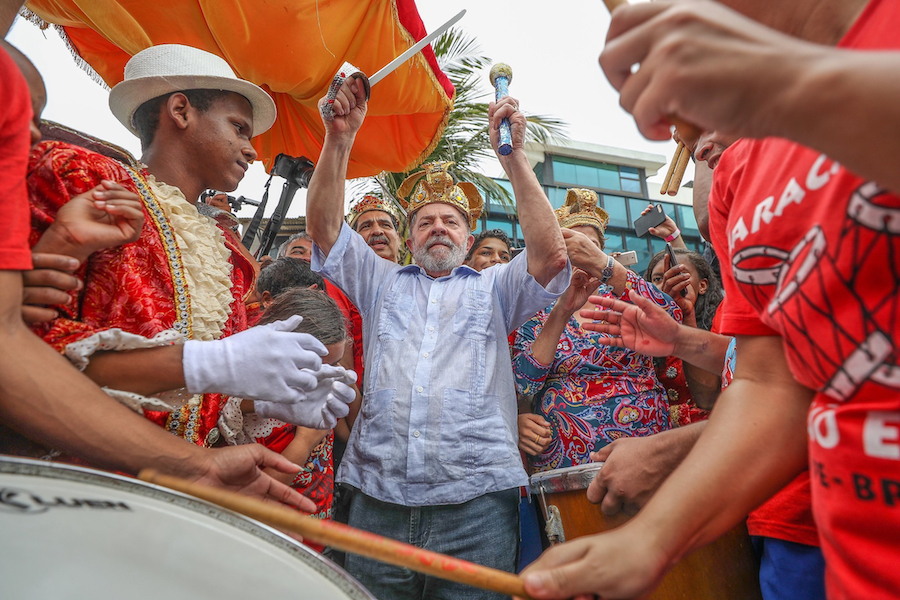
{"type": "Point", "coordinates": [710, 147]}
{"type": "Point", "coordinates": [377, 229]}
{"type": "Point", "coordinates": [300, 249]}
{"type": "Point", "coordinates": [221, 142]}
{"type": "Point", "coordinates": [439, 238]}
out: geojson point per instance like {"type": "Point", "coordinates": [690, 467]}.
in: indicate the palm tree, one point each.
{"type": "Point", "coordinates": [465, 140]}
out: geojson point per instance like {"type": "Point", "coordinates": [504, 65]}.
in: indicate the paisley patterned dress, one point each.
{"type": "Point", "coordinates": [591, 394]}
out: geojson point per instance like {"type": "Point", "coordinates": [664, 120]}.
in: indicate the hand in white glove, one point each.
{"type": "Point", "coordinates": [322, 407]}
{"type": "Point", "coordinates": [269, 362]}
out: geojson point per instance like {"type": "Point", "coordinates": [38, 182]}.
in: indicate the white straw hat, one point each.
{"type": "Point", "coordinates": [161, 70]}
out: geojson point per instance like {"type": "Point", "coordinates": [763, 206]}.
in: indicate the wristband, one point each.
{"type": "Point", "coordinates": [675, 234]}
{"type": "Point", "coordinates": [607, 272]}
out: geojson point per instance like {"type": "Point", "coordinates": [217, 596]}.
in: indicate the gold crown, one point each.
{"type": "Point", "coordinates": [438, 185]}
{"type": "Point", "coordinates": [581, 209]}
{"type": "Point", "coordinates": [368, 203]}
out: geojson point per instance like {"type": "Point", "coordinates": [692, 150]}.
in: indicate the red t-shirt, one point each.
{"type": "Point", "coordinates": [15, 139]}
{"type": "Point", "coordinates": [811, 252]}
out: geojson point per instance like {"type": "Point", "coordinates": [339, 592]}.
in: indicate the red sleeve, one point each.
{"type": "Point", "coordinates": [57, 172]}
{"type": "Point", "coordinates": [15, 138]}
{"type": "Point", "coordinates": [735, 315]}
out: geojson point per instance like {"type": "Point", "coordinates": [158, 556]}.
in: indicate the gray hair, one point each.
{"type": "Point", "coordinates": [283, 248]}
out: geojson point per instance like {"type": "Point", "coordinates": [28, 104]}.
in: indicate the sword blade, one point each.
{"type": "Point", "coordinates": [388, 68]}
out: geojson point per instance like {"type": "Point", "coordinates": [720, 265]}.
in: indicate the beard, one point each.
{"type": "Point", "coordinates": [444, 259]}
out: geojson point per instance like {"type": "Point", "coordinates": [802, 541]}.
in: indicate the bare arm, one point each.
{"type": "Point", "coordinates": [45, 398]}
{"type": "Point", "coordinates": [325, 198]}
{"type": "Point", "coordinates": [147, 371]}
{"type": "Point", "coordinates": [840, 102]}
{"type": "Point", "coordinates": [546, 249]}
{"type": "Point", "coordinates": [754, 444]}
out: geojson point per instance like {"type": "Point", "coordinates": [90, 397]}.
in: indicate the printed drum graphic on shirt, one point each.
{"type": "Point", "coordinates": [815, 277]}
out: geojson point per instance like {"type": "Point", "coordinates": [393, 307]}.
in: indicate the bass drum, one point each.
{"type": "Point", "coordinates": [71, 532]}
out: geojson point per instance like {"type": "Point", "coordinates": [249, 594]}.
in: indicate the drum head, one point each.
{"type": "Point", "coordinates": [70, 532]}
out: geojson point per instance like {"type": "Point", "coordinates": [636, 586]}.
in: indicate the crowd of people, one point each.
{"type": "Point", "coordinates": [392, 370]}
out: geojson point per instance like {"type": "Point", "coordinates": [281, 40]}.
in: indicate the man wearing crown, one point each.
{"type": "Point", "coordinates": [378, 221]}
{"type": "Point", "coordinates": [182, 280]}
{"type": "Point", "coordinates": [432, 459]}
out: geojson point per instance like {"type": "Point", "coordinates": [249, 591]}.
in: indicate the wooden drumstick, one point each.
{"type": "Point", "coordinates": [668, 180]}
{"type": "Point", "coordinates": [348, 539]}
{"type": "Point", "coordinates": [688, 132]}
{"type": "Point", "coordinates": [679, 171]}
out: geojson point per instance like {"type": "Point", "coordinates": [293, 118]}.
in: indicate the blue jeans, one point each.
{"type": "Point", "coordinates": [790, 571]}
{"type": "Point", "coordinates": [484, 530]}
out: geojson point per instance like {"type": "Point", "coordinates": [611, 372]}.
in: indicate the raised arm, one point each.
{"type": "Point", "coordinates": [546, 249]}
{"type": "Point", "coordinates": [325, 198]}
{"type": "Point", "coordinates": [645, 327]}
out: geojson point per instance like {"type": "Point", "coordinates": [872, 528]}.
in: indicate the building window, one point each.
{"type": "Point", "coordinates": [573, 172]}
{"type": "Point", "coordinates": [501, 224]}
{"type": "Point", "coordinates": [615, 207]}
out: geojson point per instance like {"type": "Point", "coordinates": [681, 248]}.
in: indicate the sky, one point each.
{"type": "Point", "coordinates": [553, 55]}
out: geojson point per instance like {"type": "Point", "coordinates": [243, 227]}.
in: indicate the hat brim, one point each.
{"type": "Point", "coordinates": [126, 97]}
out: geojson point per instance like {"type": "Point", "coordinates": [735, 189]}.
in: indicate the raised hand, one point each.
{"type": "Point", "coordinates": [507, 108]}
{"type": "Point", "coordinates": [642, 326]}
{"type": "Point", "coordinates": [676, 280]}
{"type": "Point", "coordinates": [349, 108]}
{"type": "Point", "coordinates": [576, 295]}
{"type": "Point", "coordinates": [687, 52]}
{"type": "Point", "coordinates": [583, 253]}
{"type": "Point", "coordinates": [104, 217]}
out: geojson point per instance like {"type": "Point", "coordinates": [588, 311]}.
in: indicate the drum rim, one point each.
{"type": "Point", "coordinates": [345, 582]}
{"type": "Point", "coordinates": [577, 477]}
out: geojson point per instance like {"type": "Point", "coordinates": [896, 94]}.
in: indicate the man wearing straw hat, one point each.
{"type": "Point", "coordinates": [182, 280]}
{"type": "Point", "coordinates": [432, 458]}
{"type": "Point", "coordinates": [805, 215]}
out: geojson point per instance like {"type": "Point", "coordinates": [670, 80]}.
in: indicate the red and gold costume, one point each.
{"type": "Point", "coordinates": [147, 293]}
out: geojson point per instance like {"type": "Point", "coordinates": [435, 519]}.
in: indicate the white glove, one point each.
{"type": "Point", "coordinates": [322, 407]}
{"type": "Point", "coordinates": [269, 362]}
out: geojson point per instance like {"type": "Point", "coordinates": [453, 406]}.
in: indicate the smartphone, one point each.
{"type": "Point", "coordinates": [655, 217]}
{"type": "Point", "coordinates": [673, 260]}
{"type": "Point", "coordinates": [626, 259]}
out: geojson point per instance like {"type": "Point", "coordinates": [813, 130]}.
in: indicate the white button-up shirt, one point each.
{"type": "Point", "coordinates": [438, 418]}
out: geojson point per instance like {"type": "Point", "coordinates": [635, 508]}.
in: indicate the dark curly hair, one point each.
{"type": "Point", "coordinates": [286, 273]}
{"type": "Point", "coordinates": [146, 117]}
{"type": "Point", "coordinates": [322, 318]}
{"type": "Point", "coordinates": [706, 306]}
{"type": "Point", "coordinates": [489, 233]}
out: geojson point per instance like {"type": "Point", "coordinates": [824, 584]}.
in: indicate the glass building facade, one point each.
{"type": "Point", "coordinates": [623, 194]}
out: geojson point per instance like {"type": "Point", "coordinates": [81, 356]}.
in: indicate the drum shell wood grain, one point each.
{"type": "Point", "coordinates": [727, 569]}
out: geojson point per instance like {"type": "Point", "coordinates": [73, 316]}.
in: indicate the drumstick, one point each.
{"type": "Point", "coordinates": [668, 180]}
{"type": "Point", "coordinates": [689, 133]}
{"type": "Point", "coordinates": [348, 539]}
{"type": "Point", "coordinates": [683, 159]}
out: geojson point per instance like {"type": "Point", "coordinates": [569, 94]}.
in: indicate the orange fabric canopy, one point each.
{"type": "Point", "coordinates": [292, 49]}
